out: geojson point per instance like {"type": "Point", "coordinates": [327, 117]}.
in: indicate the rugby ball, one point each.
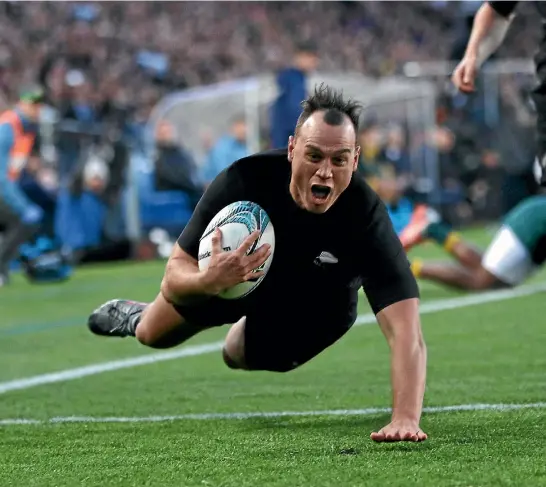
{"type": "Point", "coordinates": [237, 221]}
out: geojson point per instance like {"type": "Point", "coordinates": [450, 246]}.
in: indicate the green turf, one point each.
{"type": "Point", "coordinates": [492, 353]}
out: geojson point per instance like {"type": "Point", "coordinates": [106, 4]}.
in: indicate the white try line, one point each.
{"type": "Point", "coordinates": [79, 372]}
{"type": "Point", "coordinates": [264, 414]}
{"type": "Point", "coordinates": [467, 301]}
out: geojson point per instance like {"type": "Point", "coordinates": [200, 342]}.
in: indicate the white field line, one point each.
{"type": "Point", "coordinates": [278, 414]}
{"type": "Point", "coordinates": [99, 368]}
{"type": "Point", "coordinates": [79, 372]}
{"type": "Point", "coordinates": [468, 300]}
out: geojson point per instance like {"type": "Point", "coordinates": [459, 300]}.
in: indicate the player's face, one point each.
{"type": "Point", "coordinates": [323, 159]}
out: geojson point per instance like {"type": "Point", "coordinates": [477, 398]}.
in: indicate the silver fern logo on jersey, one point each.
{"type": "Point", "coordinates": [326, 258]}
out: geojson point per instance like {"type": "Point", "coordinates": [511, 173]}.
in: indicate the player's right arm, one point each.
{"type": "Point", "coordinates": [393, 294]}
{"type": "Point", "coordinates": [488, 31]}
{"type": "Point", "coordinates": [183, 281]}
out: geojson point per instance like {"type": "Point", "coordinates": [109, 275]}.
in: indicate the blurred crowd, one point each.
{"type": "Point", "coordinates": [130, 53]}
{"type": "Point", "coordinates": [105, 65]}
{"type": "Point", "coordinates": [482, 172]}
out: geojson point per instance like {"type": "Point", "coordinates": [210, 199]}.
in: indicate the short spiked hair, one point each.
{"type": "Point", "coordinates": [332, 103]}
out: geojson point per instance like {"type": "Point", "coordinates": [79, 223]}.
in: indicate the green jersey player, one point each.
{"type": "Point", "coordinates": [517, 250]}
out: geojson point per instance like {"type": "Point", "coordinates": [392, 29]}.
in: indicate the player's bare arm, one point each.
{"type": "Point", "coordinates": [183, 280]}
{"type": "Point", "coordinates": [401, 326]}
{"type": "Point", "coordinates": [488, 32]}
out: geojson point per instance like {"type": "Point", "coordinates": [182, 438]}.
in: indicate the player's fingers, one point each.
{"type": "Point", "coordinates": [248, 243]}
{"type": "Point", "coordinates": [468, 74]}
{"type": "Point", "coordinates": [459, 72]}
{"type": "Point", "coordinates": [258, 257]}
{"type": "Point", "coordinates": [463, 77]}
{"type": "Point", "coordinates": [469, 77]}
{"type": "Point", "coordinates": [216, 241]}
{"type": "Point", "coordinates": [465, 87]}
{"type": "Point", "coordinates": [456, 77]}
{"type": "Point", "coordinates": [254, 276]}
{"type": "Point", "coordinates": [250, 268]}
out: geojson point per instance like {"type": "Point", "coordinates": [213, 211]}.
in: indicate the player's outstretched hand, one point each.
{"type": "Point", "coordinates": [399, 430]}
{"type": "Point", "coordinates": [464, 75]}
{"type": "Point", "coordinates": [229, 268]}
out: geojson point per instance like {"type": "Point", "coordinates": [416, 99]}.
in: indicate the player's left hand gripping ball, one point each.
{"type": "Point", "coordinates": [399, 430]}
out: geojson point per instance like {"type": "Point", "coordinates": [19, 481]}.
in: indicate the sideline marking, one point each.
{"type": "Point", "coordinates": [278, 414]}
{"type": "Point", "coordinates": [193, 350]}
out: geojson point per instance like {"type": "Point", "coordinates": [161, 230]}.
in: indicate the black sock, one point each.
{"type": "Point", "coordinates": [134, 320]}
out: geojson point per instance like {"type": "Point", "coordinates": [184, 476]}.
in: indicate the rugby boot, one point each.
{"type": "Point", "coordinates": [416, 231]}
{"type": "Point", "coordinates": [118, 318]}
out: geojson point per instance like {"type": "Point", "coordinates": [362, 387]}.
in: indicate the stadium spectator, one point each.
{"type": "Point", "coordinates": [95, 175]}
{"type": "Point", "coordinates": [174, 166]}
{"type": "Point", "coordinates": [395, 152]}
{"type": "Point", "coordinates": [226, 150]}
{"type": "Point", "coordinates": [38, 184]}
{"type": "Point", "coordinates": [19, 215]}
{"type": "Point", "coordinates": [292, 89]}
{"type": "Point", "coordinates": [371, 142]}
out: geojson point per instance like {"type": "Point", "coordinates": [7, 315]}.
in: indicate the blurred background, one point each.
{"type": "Point", "coordinates": [146, 102]}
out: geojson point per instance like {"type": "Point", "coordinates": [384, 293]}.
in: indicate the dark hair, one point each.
{"type": "Point", "coordinates": [332, 103]}
{"type": "Point", "coordinates": [308, 47]}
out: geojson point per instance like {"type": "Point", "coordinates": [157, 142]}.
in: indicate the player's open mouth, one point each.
{"type": "Point", "coordinates": [320, 193]}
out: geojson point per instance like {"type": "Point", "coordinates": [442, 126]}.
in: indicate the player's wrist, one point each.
{"type": "Point", "coordinates": [471, 55]}
{"type": "Point", "coordinates": [208, 283]}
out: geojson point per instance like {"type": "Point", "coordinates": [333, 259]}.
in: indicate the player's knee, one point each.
{"type": "Point", "coordinates": [483, 280]}
{"type": "Point", "coordinates": [234, 347]}
{"type": "Point", "coordinates": [145, 336]}
{"type": "Point", "coordinates": [233, 359]}
{"type": "Point", "coordinates": [231, 362]}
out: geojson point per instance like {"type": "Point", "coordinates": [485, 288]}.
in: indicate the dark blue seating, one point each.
{"type": "Point", "coordinates": [170, 210]}
{"type": "Point", "coordinates": [79, 219]}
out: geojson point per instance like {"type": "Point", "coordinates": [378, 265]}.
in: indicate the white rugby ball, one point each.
{"type": "Point", "coordinates": [237, 221]}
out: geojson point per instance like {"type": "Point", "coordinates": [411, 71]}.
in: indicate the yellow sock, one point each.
{"type": "Point", "coordinates": [452, 239]}
{"type": "Point", "coordinates": [416, 267]}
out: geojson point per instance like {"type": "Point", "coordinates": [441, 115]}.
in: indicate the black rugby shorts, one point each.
{"type": "Point", "coordinates": [277, 339]}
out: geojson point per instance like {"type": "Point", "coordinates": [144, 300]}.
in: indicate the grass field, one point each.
{"type": "Point", "coordinates": [147, 424]}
